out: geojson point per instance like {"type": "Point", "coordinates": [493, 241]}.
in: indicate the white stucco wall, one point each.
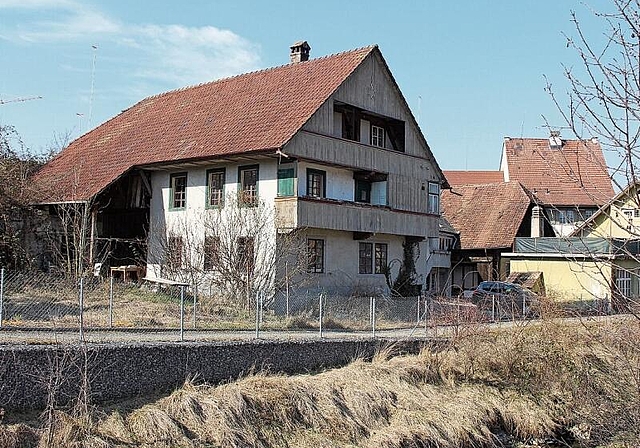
{"type": "Point", "coordinates": [341, 263]}
{"type": "Point", "coordinates": [339, 182]}
{"type": "Point", "coordinates": [163, 219]}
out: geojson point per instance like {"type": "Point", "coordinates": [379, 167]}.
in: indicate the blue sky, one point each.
{"type": "Point", "coordinates": [472, 71]}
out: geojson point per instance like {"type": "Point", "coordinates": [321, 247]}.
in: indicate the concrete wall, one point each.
{"type": "Point", "coordinates": [118, 372]}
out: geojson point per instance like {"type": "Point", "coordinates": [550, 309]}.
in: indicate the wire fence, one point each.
{"type": "Point", "coordinates": [41, 307]}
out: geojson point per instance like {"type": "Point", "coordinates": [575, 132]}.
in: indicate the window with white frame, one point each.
{"type": "Point", "coordinates": [248, 180]}
{"type": "Point", "coordinates": [377, 136]}
{"type": "Point", "coordinates": [434, 198]}
{"type": "Point", "coordinates": [623, 282]}
{"type": "Point", "coordinates": [316, 183]}
{"type": "Point", "coordinates": [178, 188]}
{"type": "Point", "coordinates": [215, 187]}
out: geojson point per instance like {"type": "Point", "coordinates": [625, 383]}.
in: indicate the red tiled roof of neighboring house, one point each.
{"type": "Point", "coordinates": [253, 112]}
{"type": "Point", "coordinates": [487, 216]}
{"type": "Point", "coordinates": [575, 174]}
{"type": "Point", "coordinates": [475, 177]}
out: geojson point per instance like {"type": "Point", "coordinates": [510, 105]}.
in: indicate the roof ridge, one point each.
{"type": "Point", "coordinates": [254, 72]}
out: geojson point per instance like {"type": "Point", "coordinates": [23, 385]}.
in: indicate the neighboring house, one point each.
{"type": "Point", "coordinates": [488, 217]}
{"type": "Point", "coordinates": [330, 144]}
{"type": "Point", "coordinates": [439, 262]}
{"type": "Point", "coordinates": [618, 218]}
{"type": "Point", "coordinates": [598, 262]}
{"type": "Point", "coordinates": [568, 178]}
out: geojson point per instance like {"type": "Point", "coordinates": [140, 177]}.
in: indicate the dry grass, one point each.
{"type": "Point", "coordinates": [576, 382]}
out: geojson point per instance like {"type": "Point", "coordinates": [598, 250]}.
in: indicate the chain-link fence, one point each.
{"type": "Point", "coordinates": [39, 307]}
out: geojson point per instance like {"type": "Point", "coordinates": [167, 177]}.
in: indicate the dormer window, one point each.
{"type": "Point", "coordinates": [377, 136]}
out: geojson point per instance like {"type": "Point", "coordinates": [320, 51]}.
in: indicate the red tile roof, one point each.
{"type": "Point", "coordinates": [487, 216]}
{"type": "Point", "coordinates": [576, 174]}
{"type": "Point", "coordinates": [247, 113]}
{"type": "Point", "coordinates": [475, 177]}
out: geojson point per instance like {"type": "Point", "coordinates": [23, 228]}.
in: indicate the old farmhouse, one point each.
{"type": "Point", "coordinates": [324, 149]}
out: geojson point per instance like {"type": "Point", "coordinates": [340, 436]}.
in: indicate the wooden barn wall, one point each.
{"type": "Point", "coordinates": [371, 88]}
{"type": "Point", "coordinates": [407, 175]}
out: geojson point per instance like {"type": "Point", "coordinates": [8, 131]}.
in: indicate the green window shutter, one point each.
{"type": "Point", "coordinates": [285, 182]}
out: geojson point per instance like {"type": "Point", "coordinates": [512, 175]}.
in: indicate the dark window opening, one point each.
{"type": "Point", "coordinates": [363, 191]}
{"type": "Point", "coordinates": [215, 187]}
{"type": "Point", "coordinates": [365, 258]}
{"type": "Point", "coordinates": [315, 252]}
{"type": "Point", "coordinates": [248, 180]}
{"type": "Point", "coordinates": [382, 129]}
{"type": "Point", "coordinates": [211, 252]}
{"type": "Point", "coordinates": [175, 249]}
{"type": "Point", "coordinates": [316, 183]}
{"type": "Point", "coordinates": [245, 254]}
{"type": "Point", "coordinates": [381, 258]}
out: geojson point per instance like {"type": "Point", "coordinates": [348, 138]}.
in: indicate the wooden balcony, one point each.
{"type": "Point", "coordinates": [306, 212]}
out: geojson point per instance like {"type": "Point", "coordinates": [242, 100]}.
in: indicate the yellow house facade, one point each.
{"type": "Point", "coordinates": [598, 264]}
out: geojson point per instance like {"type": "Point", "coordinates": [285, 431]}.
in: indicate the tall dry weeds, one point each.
{"type": "Point", "coordinates": [578, 381]}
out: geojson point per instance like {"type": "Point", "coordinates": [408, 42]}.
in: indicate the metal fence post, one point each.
{"type": "Point", "coordinates": [418, 313]}
{"type": "Point", "coordinates": [524, 306]}
{"type": "Point", "coordinates": [81, 300]}
{"type": "Point", "coordinates": [257, 315]}
{"type": "Point", "coordinates": [1, 294]}
{"type": "Point", "coordinates": [427, 314]}
{"type": "Point", "coordinates": [370, 310]}
{"type": "Point", "coordinates": [181, 313]}
{"type": "Point", "coordinates": [373, 317]}
{"type": "Point", "coordinates": [111, 301]}
{"type": "Point", "coordinates": [195, 301]}
{"type": "Point", "coordinates": [321, 310]}
{"type": "Point", "coordinates": [286, 279]}
{"type": "Point", "coordinates": [493, 308]}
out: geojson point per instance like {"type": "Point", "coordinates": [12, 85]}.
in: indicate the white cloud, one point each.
{"type": "Point", "coordinates": [189, 55]}
{"type": "Point", "coordinates": [175, 54]}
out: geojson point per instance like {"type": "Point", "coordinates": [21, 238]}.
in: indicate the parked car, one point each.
{"type": "Point", "coordinates": [503, 300]}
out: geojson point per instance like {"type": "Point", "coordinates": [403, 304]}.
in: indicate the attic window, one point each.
{"type": "Point", "coordinates": [353, 123]}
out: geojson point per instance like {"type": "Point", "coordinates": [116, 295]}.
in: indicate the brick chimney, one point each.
{"type": "Point", "coordinates": [299, 52]}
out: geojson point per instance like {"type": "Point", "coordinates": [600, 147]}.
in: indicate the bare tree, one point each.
{"type": "Point", "coordinates": [604, 90]}
{"type": "Point", "coordinates": [603, 101]}
{"type": "Point", "coordinates": [233, 250]}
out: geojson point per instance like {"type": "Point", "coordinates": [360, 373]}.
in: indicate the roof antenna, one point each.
{"type": "Point", "coordinates": [419, 109]}
{"type": "Point", "coordinates": [93, 73]}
